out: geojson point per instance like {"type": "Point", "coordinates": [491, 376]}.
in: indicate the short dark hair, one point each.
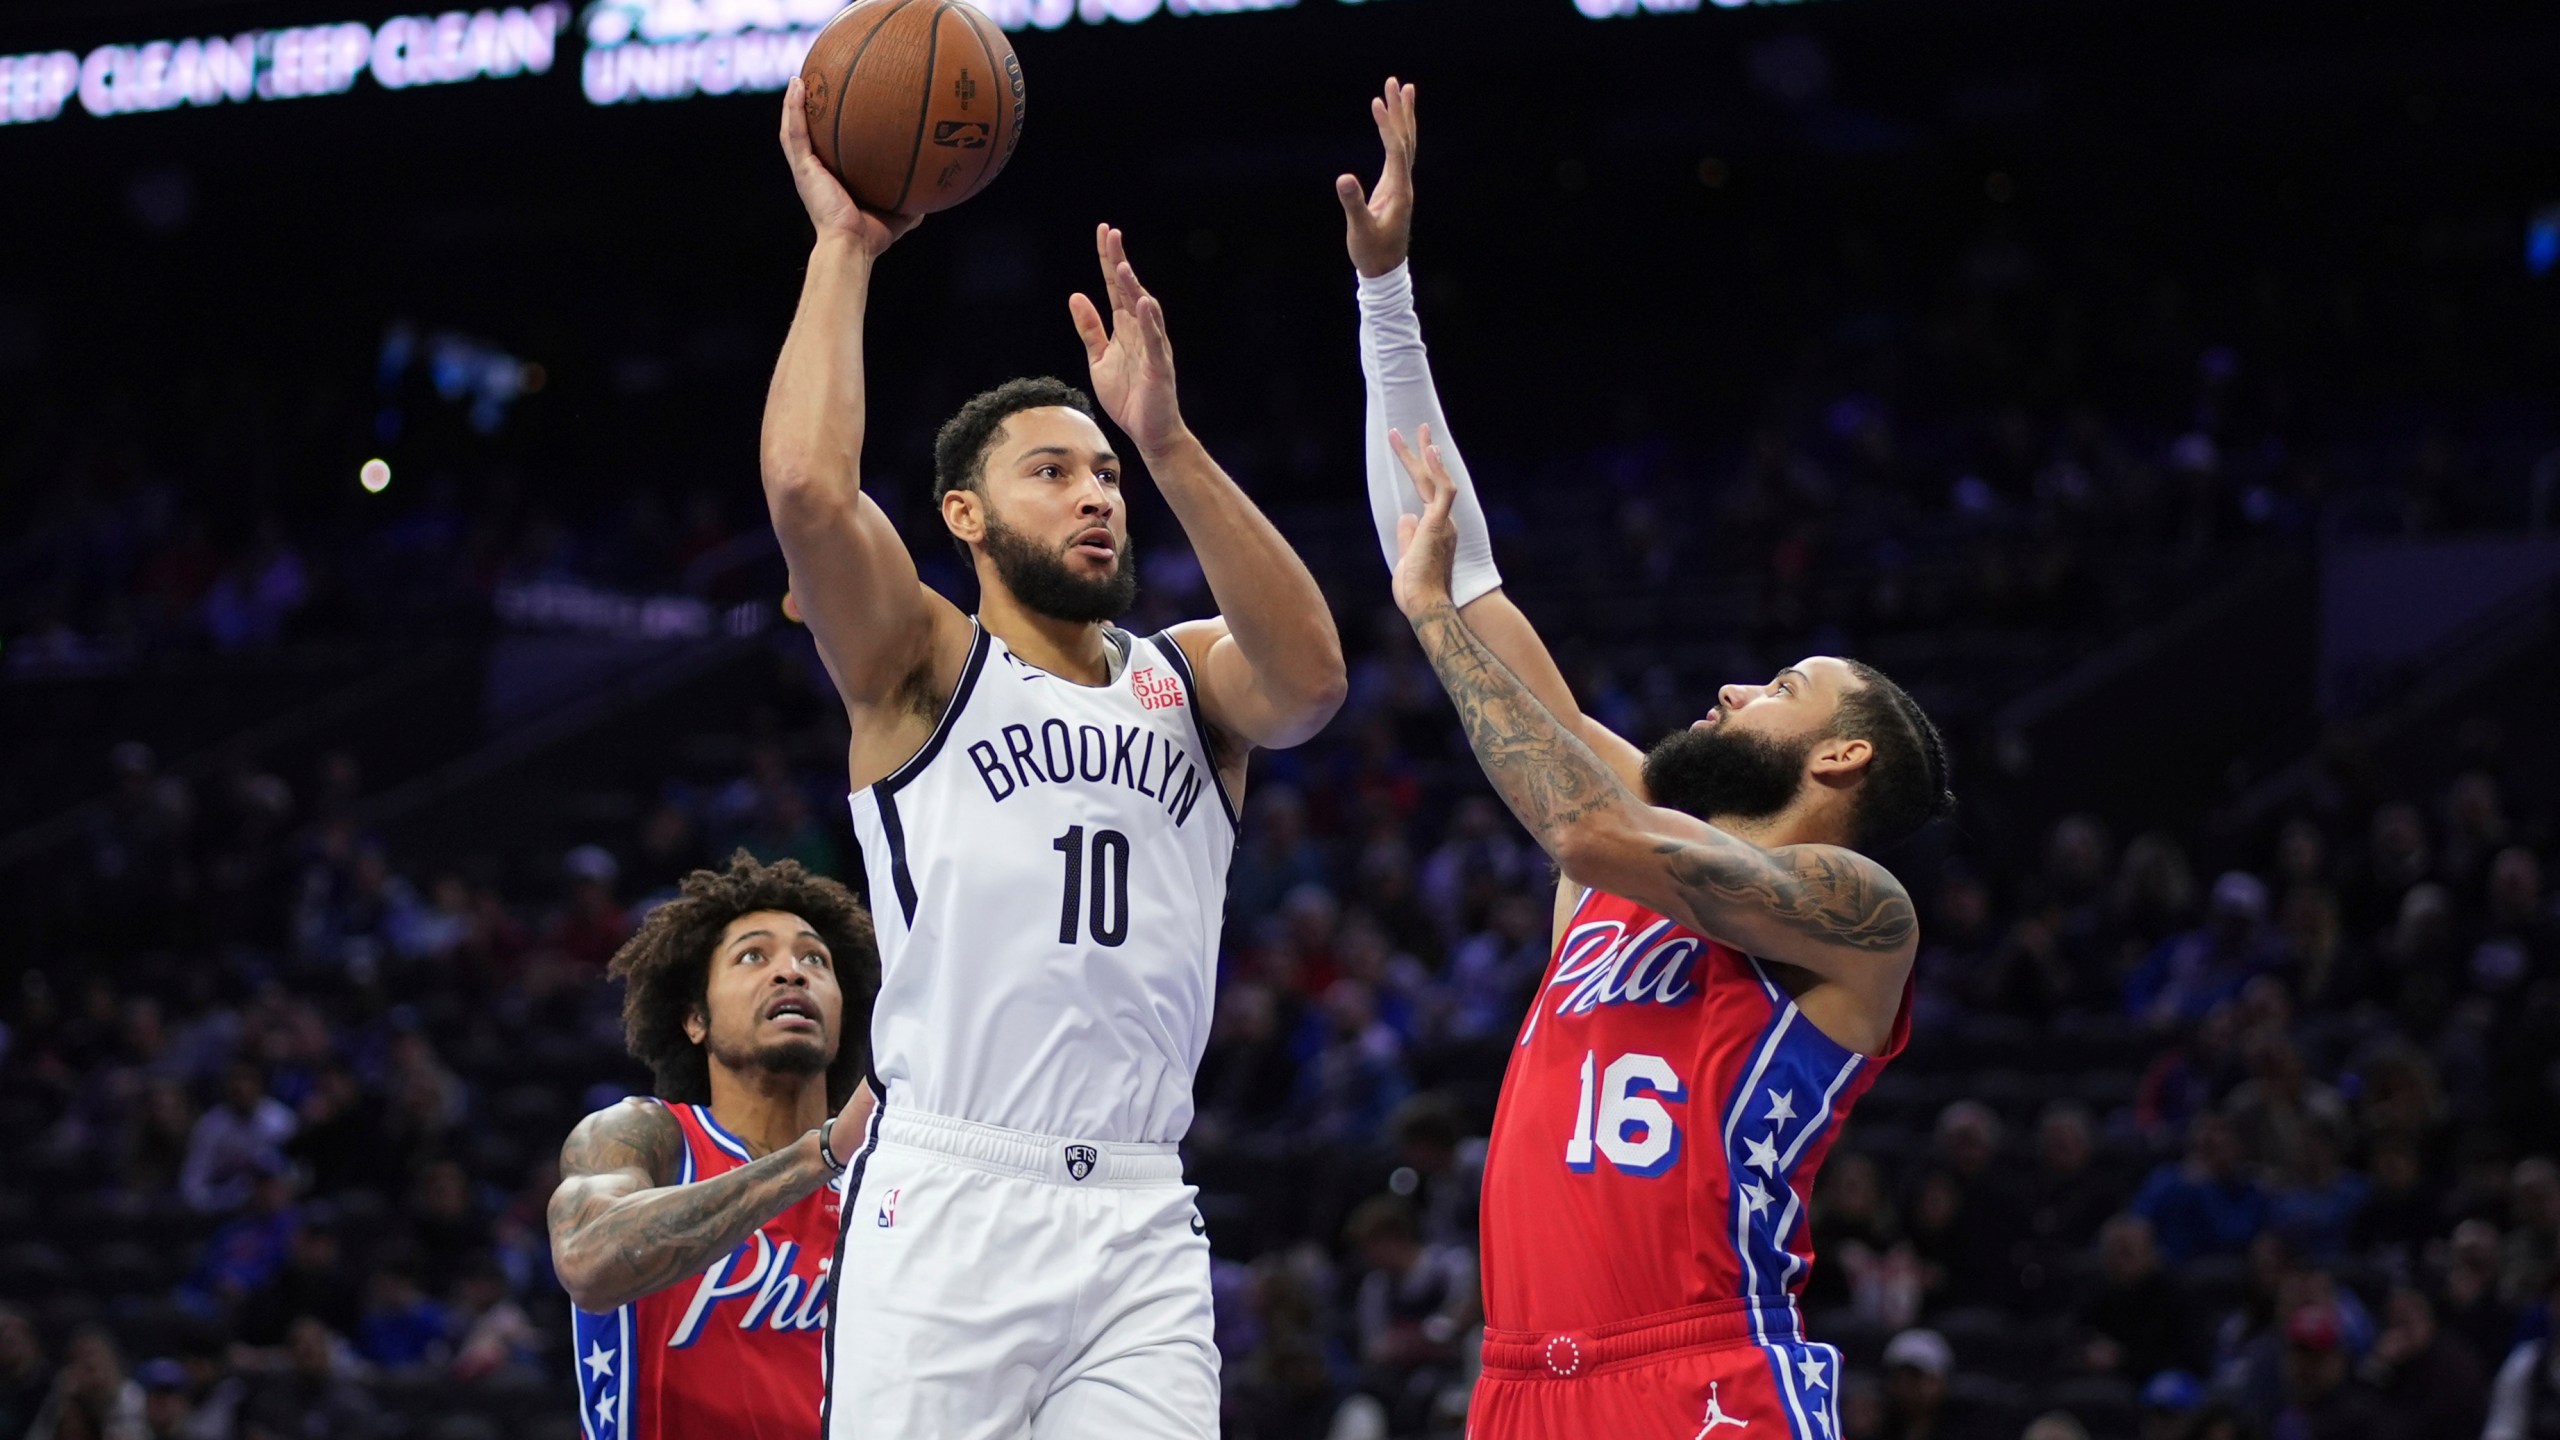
{"type": "Point", "coordinates": [1906, 784]}
{"type": "Point", "coordinates": [666, 969]}
{"type": "Point", "coordinates": [960, 450]}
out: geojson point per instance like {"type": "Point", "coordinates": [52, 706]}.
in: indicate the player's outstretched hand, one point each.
{"type": "Point", "coordinates": [822, 194]}
{"type": "Point", "coordinates": [1381, 222]}
{"type": "Point", "coordinates": [1427, 544]}
{"type": "Point", "coordinates": [1131, 358]}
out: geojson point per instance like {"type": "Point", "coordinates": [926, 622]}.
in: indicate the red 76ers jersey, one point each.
{"type": "Point", "coordinates": [736, 1351]}
{"type": "Point", "coordinates": [1663, 1117]}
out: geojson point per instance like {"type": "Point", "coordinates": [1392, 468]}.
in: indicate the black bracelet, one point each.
{"type": "Point", "coordinates": [826, 1150]}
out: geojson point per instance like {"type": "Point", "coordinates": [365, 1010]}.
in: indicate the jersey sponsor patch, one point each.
{"type": "Point", "coordinates": [1156, 690]}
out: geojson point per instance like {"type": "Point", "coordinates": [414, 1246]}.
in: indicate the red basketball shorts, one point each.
{"type": "Point", "coordinates": [1711, 1372]}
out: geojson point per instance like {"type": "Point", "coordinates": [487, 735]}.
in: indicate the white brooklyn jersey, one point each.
{"type": "Point", "coordinates": [1048, 877]}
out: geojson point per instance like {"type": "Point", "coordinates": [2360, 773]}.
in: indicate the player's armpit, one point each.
{"type": "Point", "coordinates": [619, 1230]}
{"type": "Point", "coordinates": [1243, 704]}
{"type": "Point", "coordinates": [1568, 899]}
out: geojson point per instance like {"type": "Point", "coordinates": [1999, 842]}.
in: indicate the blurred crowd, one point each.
{"type": "Point", "coordinates": [1848, 510]}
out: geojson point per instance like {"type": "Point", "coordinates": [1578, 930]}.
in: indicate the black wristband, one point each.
{"type": "Point", "coordinates": [826, 1149]}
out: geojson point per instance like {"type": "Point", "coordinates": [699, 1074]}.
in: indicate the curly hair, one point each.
{"type": "Point", "coordinates": [666, 969]}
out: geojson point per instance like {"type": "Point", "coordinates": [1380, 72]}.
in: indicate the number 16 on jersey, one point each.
{"type": "Point", "coordinates": [1624, 1120]}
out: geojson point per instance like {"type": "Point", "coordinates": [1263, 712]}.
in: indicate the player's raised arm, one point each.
{"type": "Point", "coordinates": [621, 1228]}
{"type": "Point", "coordinates": [852, 580]}
{"type": "Point", "coordinates": [1823, 907]}
{"type": "Point", "coordinates": [1402, 398]}
{"type": "Point", "coordinates": [1270, 667]}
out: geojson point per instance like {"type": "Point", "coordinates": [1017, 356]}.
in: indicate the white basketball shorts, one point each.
{"type": "Point", "coordinates": [995, 1285]}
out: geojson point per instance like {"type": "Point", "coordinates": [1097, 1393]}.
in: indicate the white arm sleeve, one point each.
{"type": "Point", "coordinates": [1398, 370]}
{"type": "Point", "coordinates": [2511, 1394]}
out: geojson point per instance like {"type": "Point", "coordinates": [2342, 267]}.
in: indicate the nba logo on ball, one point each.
{"type": "Point", "coordinates": [1080, 1160]}
{"type": "Point", "coordinates": [920, 120]}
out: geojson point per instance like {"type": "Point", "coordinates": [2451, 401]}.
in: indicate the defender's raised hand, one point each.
{"type": "Point", "coordinates": [1426, 545]}
{"type": "Point", "coordinates": [1381, 223]}
{"type": "Point", "coordinates": [822, 194]}
{"type": "Point", "coordinates": [1131, 359]}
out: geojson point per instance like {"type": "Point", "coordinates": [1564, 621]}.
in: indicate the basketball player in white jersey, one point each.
{"type": "Point", "coordinates": [1046, 805]}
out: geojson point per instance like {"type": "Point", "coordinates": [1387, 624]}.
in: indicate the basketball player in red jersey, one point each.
{"type": "Point", "coordinates": [1729, 976]}
{"type": "Point", "coordinates": [694, 1231]}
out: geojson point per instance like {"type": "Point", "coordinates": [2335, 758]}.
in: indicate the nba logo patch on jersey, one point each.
{"type": "Point", "coordinates": [889, 1209]}
{"type": "Point", "coordinates": [1080, 1160]}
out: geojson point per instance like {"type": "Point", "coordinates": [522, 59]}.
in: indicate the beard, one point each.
{"type": "Point", "coordinates": [1040, 579]}
{"type": "Point", "coordinates": [799, 1055]}
{"type": "Point", "coordinates": [1713, 772]}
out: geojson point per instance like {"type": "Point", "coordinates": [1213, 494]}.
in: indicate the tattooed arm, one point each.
{"type": "Point", "coordinates": [1827, 909]}
{"type": "Point", "coordinates": [621, 1227]}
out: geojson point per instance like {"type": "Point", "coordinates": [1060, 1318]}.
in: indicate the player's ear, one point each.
{"type": "Point", "coordinates": [1839, 760]}
{"type": "Point", "coordinates": [697, 1027]}
{"type": "Point", "coordinates": [964, 515]}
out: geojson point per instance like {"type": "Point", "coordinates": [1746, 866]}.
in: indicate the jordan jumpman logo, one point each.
{"type": "Point", "coordinates": [1716, 1415]}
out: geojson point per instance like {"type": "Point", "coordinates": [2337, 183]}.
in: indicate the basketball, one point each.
{"type": "Point", "coordinates": [914, 104]}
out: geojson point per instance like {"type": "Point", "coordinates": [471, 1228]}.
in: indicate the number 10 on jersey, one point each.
{"type": "Point", "coordinates": [1624, 1120]}
{"type": "Point", "coordinates": [1109, 892]}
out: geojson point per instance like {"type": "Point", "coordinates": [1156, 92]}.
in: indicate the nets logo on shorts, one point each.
{"type": "Point", "coordinates": [1080, 1160]}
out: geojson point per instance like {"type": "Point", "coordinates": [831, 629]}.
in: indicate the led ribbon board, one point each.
{"type": "Point", "coordinates": [674, 49]}
{"type": "Point", "coordinates": [635, 50]}
{"type": "Point", "coordinates": [286, 64]}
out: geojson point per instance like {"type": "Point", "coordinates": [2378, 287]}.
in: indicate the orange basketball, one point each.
{"type": "Point", "coordinates": [914, 104]}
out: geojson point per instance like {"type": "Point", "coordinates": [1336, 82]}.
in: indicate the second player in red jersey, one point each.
{"type": "Point", "coordinates": [696, 1232]}
{"type": "Point", "coordinates": [738, 1349]}
{"type": "Point", "coordinates": [1727, 985]}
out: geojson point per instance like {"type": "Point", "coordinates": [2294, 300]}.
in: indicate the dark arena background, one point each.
{"type": "Point", "coordinates": [2163, 392]}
